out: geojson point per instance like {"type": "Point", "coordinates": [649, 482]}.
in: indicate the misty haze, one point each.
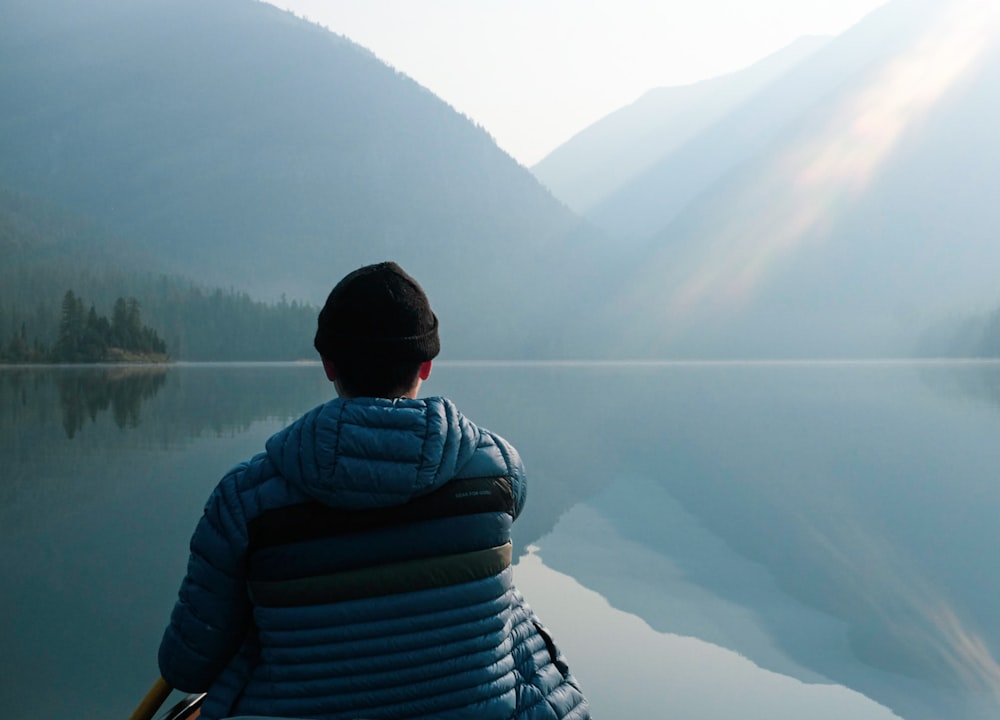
{"type": "Point", "coordinates": [745, 333]}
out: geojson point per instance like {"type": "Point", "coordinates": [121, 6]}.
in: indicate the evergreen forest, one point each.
{"type": "Point", "coordinates": [176, 319]}
{"type": "Point", "coordinates": [71, 291]}
{"type": "Point", "coordinates": [85, 336]}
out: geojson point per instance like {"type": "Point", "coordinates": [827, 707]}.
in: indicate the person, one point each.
{"type": "Point", "coordinates": [360, 567]}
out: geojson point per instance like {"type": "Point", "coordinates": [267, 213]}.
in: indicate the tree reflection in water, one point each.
{"type": "Point", "coordinates": [86, 394]}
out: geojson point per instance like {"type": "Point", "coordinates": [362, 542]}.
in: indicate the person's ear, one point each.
{"type": "Point", "coordinates": [329, 369]}
{"type": "Point", "coordinates": [425, 370]}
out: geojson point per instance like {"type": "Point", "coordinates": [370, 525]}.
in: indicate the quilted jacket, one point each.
{"type": "Point", "coordinates": [360, 568]}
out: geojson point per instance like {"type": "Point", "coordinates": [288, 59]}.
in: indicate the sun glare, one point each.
{"type": "Point", "coordinates": [806, 188]}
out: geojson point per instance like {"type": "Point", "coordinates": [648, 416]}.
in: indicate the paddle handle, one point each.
{"type": "Point", "coordinates": [156, 696]}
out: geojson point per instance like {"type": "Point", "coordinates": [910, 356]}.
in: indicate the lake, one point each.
{"type": "Point", "coordinates": [706, 540]}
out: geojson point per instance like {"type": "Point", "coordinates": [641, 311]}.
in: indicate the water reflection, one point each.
{"type": "Point", "coordinates": [806, 537]}
{"type": "Point", "coordinates": [633, 670]}
{"type": "Point", "coordinates": [83, 394]}
{"type": "Point", "coordinates": [976, 381]}
{"type": "Point", "coordinates": [829, 524]}
{"type": "Point", "coordinates": [203, 399]}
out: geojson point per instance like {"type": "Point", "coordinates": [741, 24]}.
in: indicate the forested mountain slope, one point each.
{"type": "Point", "coordinates": [48, 252]}
{"type": "Point", "coordinates": [240, 146]}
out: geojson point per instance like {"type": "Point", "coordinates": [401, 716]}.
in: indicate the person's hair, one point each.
{"type": "Point", "coordinates": [377, 377]}
{"type": "Point", "coordinates": [377, 328]}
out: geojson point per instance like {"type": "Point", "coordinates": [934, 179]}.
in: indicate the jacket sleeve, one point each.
{"type": "Point", "coordinates": [514, 468]}
{"type": "Point", "coordinates": [212, 613]}
{"type": "Point", "coordinates": [519, 483]}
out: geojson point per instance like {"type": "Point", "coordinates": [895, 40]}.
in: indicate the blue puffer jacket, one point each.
{"type": "Point", "coordinates": [360, 568]}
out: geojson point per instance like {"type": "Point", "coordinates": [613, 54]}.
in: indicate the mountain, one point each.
{"type": "Point", "coordinates": [599, 161]}
{"type": "Point", "coordinates": [48, 251]}
{"type": "Point", "coordinates": [832, 202]}
{"type": "Point", "coordinates": [238, 145]}
{"type": "Point", "coordinates": [650, 200]}
{"type": "Point", "coordinates": [862, 218]}
{"type": "Point", "coordinates": [686, 150]}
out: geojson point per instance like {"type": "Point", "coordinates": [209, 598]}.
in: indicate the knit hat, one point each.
{"type": "Point", "coordinates": [377, 312]}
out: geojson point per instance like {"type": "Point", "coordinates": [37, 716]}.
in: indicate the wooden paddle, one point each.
{"type": "Point", "coordinates": [156, 696]}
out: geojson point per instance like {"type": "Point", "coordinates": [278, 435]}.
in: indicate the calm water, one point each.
{"type": "Point", "coordinates": [705, 540]}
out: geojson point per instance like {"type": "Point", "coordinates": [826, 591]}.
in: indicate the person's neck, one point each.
{"type": "Point", "coordinates": [410, 394]}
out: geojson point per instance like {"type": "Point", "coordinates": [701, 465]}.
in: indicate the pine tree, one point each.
{"type": "Point", "coordinates": [72, 325]}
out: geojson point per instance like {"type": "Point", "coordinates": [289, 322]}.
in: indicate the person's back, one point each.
{"type": "Point", "coordinates": [360, 566]}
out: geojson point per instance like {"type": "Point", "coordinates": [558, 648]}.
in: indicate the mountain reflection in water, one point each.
{"type": "Point", "coordinates": [707, 540]}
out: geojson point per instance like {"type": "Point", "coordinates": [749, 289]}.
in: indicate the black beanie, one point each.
{"type": "Point", "coordinates": [377, 312]}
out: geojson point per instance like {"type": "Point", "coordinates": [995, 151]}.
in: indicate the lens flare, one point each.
{"type": "Point", "coordinates": [803, 191]}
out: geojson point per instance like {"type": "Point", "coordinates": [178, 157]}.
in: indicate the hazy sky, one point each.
{"type": "Point", "coordinates": [534, 72]}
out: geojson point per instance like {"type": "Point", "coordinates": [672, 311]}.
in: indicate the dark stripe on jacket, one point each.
{"type": "Point", "coordinates": [388, 579]}
{"type": "Point", "coordinates": [313, 520]}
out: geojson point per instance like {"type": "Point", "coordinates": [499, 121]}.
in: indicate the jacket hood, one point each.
{"type": "Point", "coordinates": [374, 452]}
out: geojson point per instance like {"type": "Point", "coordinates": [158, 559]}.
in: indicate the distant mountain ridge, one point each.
{"type": "Point", "coordinates": [599, 161]}
{"type": "Point", "coordinates": [837, 213]}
